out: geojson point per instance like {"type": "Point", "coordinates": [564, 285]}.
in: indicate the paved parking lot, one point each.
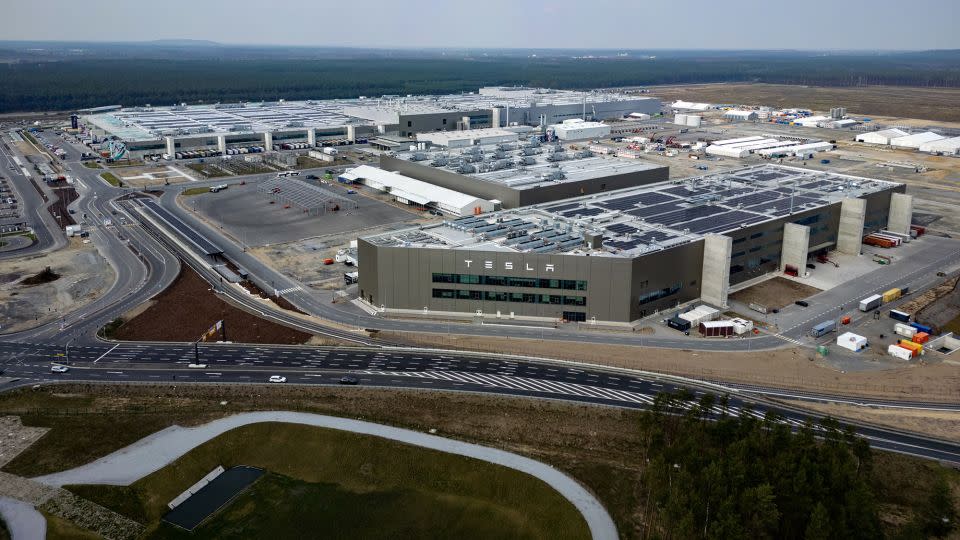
{"type": "Point", "coordinates": [251, 219]}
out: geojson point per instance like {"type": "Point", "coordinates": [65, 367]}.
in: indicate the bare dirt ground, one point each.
{"type": "Point", "coordinates": [939, 424]}
{"type": "Point", "coordinates": [84, 276]}
{"type": "Point", "coordinates": [188, 308]}
{"type": "Point", "coordinates": [937, 104]}
{"type": "Point", "coordinates": [798, 368]}
{"type": "Point", "coordinates": [774, 293]}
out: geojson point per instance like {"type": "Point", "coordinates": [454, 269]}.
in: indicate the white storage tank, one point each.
{"type": "Point", "coordinates": [680, 119]}
{"type": "Point", "coordinates": [694, 120]}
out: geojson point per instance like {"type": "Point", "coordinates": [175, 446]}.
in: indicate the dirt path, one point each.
{"type": "Point", "coordinates": [152, 453]}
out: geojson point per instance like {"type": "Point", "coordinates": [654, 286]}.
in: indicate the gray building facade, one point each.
{"type": "Point", "coordinates": [512, 197]}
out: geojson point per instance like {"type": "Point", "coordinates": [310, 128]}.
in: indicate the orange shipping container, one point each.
{"type": "Point", "coordinates": [915, 347]}
{"type": "Point", "coordinates": [921, 337]}
{"type": "Point", "coordinates": [913, 352]}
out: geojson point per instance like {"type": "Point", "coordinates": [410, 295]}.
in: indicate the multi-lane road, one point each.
{"type": "Point", "coordinates": [146, 257]}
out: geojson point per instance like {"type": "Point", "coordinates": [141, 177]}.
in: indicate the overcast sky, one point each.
{"type": "Point", "coordinates": [626, 24]}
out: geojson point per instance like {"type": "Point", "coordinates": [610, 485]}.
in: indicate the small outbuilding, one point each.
{"type": "Point", "coordinates": [851, 341]}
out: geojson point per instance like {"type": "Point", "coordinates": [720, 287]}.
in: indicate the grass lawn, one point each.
{"type": "Point", "coordinates": [111, 178]}
{"type": "Point", "coordinates": [91, 164]}
{"type": "Point", "coordinates": [350, 486]}
{"type": "Point", "coordinates": [61, 529]}
{"type": "Point", "coordinates": [195, 191]}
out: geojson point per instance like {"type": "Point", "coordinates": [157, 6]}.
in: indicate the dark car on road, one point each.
{"type": "Point", "coordinates": [349, 380]}
{"type": "Point", "coordinates": [802, 303]}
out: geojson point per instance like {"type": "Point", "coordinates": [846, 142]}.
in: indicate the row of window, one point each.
{"type": "Point", "coordinates": [497, 296]}
{"type": "Point", "coordinates": [508, 281]}
{"type": "Point", "coordinates": [646, 298]}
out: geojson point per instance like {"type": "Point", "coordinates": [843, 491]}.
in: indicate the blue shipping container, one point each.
{"type": "Point", "coordinates": [922, 327]}
{"type": "Point", "coordinates": [823, 328]}
{"type": "Point", "coordinates": [901, 316]}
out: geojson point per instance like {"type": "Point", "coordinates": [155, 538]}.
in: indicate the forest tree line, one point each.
{"type": "Point", "coordinates": [71, 84]}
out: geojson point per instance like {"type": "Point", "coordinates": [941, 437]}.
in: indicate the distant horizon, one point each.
{"type": "Point", "coordinates": [188, 41]}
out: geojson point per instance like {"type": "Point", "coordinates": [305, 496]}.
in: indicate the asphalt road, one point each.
{"type": "Point", "coordinates": [27, 364]}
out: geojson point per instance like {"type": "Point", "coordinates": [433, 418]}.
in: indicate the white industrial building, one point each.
{"type": "Point", "coordinates": [680, 105]}
{"type": "Point", "coordinates": [942, 146]}
{"type": "Point", "coordinates": [881, 137]}
{"type": "Point", "coordinates": [468, 137]}
{"type": "Point", "coordinates": [812, 121]}
{"type": "Point", "coordinates": [841, 124]}
{"type": "Point", "coordinates": [412, 191]}
{"type": "Point", "coordinates": [744, 116]}
{"type": "Point", "coordinates": [575, 129]}
{"type": "Point", "coordinates": [915, 140]}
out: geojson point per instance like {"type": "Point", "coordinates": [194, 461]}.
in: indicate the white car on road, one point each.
{"type": "Point", "coordinates": [277, 379]}
{"type": "Point", "coordinates": [57, 368]}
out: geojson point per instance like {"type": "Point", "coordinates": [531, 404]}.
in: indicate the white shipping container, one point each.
{"type": "Point", "coordinates": [905, 330]}
{"type": "Point", "coordinates": [899, 352]}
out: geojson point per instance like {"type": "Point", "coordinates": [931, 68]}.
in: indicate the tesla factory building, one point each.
{"type": "Point", "coordinates": [628, 254]}
{"type": "Point", "coordinates": [522, 173]}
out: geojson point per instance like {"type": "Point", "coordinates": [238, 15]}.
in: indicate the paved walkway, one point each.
{"type": "Point", "coordinates": [154, 452]}
{"type": "Point", "coordinates": [22, 519]}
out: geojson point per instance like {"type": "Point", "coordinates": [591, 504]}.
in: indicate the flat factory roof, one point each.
{"type": "Point", "coordinates": [525, 165]}
{"type": "Point", "coordinates": [643, 219]}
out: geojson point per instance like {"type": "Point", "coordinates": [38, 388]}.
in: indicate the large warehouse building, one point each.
{"type": "Point", "coordinates": [525, 173]}
{"type": "Point", "coordinates": [628, 254]}
{"type": "Point", "coordinates": [155, 130]}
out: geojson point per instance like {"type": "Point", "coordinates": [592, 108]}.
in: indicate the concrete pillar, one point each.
{"type": "Point", "coordinates": [715, 278]}
{"type": "Point", "coordinates": [796, 243]}
{"type": "Point", "coordinates": [267, 141]}
{"type": "Point", "coordinates": [466, 122]}
{"type": "Point", "coordinates": [222, 143]}
{"type": "Point", "coordinates": [171, 146]}
{"type": "Point", "coordinates": [495, 117]}
{"type": "Point", "coordinates": [352, 133]}
{"type": "Point", "coordinates": [850, 233]}
{"type": "Point", "coordinates": [312, 137]}
{"type": "Point", "coordinates": [901, 213]}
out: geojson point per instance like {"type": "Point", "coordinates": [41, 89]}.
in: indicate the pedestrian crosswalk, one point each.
{"type": "Point", "coordinates": [289, 290]}
{"type": "Point", "coordinates": [524, 383]}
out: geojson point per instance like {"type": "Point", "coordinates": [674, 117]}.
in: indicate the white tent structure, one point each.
{"type": "Point", "coordinates": [740, 115]}
{"type": "Point", "coordinates": [881, 137]}
{"type": "Point", "coordinates": [680, 105]}
{"type": "Point", "coordinates": [851, 341]}
{"type": "Point", "coordinates": [915, 140]}
{"type": "Point", "coordinates": [944, 146]}
{"type": "Point", "coordinates": [412, 191]}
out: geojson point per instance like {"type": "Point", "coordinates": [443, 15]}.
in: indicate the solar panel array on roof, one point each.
{"type": "Point", "coordinates": [583, 212]}
{"type": "Point", "coordinates": [562, 207]}
{"type": "Point", "coordinates": [689, 214]}
{"type": "Point", "coordinates": [654, 210]}
{"type": "Point", "coordinates": [723, 222]}
{"type": "Point", "coordinates": [622, 203]}
{"type": "Point", "coordinates": [753, 198]}
{"type": "Point", "coordinates": [622, 228]}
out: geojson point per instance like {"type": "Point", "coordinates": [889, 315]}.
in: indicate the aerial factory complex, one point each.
{"type": "Point", "coordinates": [624, 255]}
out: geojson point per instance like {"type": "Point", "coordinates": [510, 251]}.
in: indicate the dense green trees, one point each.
{"type": "Point", "coordinates": [743, 477]}
{"type": "Point", "coordinates": [66, 83]}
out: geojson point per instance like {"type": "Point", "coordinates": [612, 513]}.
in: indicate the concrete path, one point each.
{"type": "Point", "coordinates": [127, 465]}
{"type": "Point", "coordinates": [22, 519]}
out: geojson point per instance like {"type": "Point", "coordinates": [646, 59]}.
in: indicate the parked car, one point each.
{"type": "Point", "coordinates": [312, 177]}
{"type": "Point", "coordinates": [351, 192]}
{"type": "Point", "coordinates": [349, 380]}
{"type": "Point", "coordinates": [277, 379]}
{"type": "Point", "coordinates": [57, 368]}
{"type": "Point", "coordinates": [802, 303]}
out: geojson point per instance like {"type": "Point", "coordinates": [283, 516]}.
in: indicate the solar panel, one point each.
{"type": "Point", "coordinates": [630, 201]}
{"type": "Point", "coordinates": [723, 222]}
{"type": "Point", "coordinates": [654, 210]}
{"type": "Point", "coordinates": [621, 228]}
{"type": "Point", "coordinates": [688, 214]}
{"type": "Point", "coordinates": [583, 212]}
{"type": "Point", "coordinates": [753, 198]}
{"type": "Point", "coordinates": [562, 207]}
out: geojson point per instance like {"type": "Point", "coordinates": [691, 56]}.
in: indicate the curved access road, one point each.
{"type": "Point", "coordinates": [23, 520]}
{"type": "Point", "coordinates": [154, 452]}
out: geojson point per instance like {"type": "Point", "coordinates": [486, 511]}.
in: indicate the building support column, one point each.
{"type": "Point", "coordinates": [267, 141]}
{"type": "Point", "coordinates": [171, 146]}
{"type": "Point", "coordinates": [796, 244]}
{"type": "Point", "coordinates": [222, 144]}
{"type": "Point", "coordinates": [850, 232]}
{"type": "Point", "coordinates": [312, 137]}
{"type": "Point", "coordinates": [715, 278]}
{"type": "Point", "coordinates": [352, 134]}
{"type": "Point", "coordinates": [901, 213]}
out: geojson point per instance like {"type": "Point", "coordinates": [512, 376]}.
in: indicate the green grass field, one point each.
{"type": "Point", "coordinates": [350, 486]}
{"type": "Point", "coordinates": [195, 191]}
{"type": "Point", "coordinates": [111, 178]}
{"type": "Point", "coordinates": [91, 164]}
